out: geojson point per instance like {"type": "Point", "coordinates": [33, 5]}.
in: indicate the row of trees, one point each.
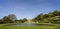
{"type": "Point", "coordinates": [51, 17]}
{"type": "Point", "coordinates": [11, 18]}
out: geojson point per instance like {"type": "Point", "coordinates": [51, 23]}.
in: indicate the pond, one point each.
{"type": "Point", "coordinates": [32, 24]}
{"type": "Point", "coordinates": [21, 24]}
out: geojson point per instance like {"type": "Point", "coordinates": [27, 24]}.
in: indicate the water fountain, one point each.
{"type": "Point", "coordinates": [30, 23]}
{"type": "Point", "coordinates": [27, 23]}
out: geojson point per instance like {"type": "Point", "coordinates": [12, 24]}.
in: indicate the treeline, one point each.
{"type": "Point", "coordinates": [51, 17]}
{"type": "Point", "coordinates": [11, 18]}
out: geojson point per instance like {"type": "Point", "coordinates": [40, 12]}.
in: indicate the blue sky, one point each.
{"type": "Point", "coordinates": [27, 8]}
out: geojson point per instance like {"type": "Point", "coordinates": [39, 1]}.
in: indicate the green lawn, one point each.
{"type": "Point", "coordinates": [29, 27]}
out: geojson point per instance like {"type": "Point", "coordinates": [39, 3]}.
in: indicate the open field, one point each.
{"type": "Point", "coordinates": [29, 27]}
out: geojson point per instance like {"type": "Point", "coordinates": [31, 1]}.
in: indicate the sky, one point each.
{"type": "Point", "coordinates": [27, 8]}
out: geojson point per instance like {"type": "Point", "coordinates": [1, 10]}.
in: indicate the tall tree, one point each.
{"type": "Point", "coordinates": [12, 16]}
{"type": "Point", "coordinates": [56, 13]}
{"type": "Point", "coordinates": [50, 14]}
{"type": "Point", "coordinates": [39, 18]}
{"type": "Point", "coordinates": [6, 19]}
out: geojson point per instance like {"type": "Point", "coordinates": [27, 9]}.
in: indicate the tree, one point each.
{"type": "Point", "coordinates": [39, 18]}
{"type": "Point", "coordinates": [56, 13]}
{"type": "Point", "coordinates": [22, 20]}
{"type": "Point", "coordinates": [12, 16]}
{"type": "Point", "coordinates": [9, 19]}
{"type": "Point", "coordinates": [44, 17]}
{"type": "Point", "coordinates": [6, 19]}
{"type": "Point", "coordinates": [50, 14]}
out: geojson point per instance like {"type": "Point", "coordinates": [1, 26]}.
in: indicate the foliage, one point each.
{"type": "Point", "coordinates": [41, 18]}
{"type": "Point", "coordinates": [50, 17]}
{"type": "Point", "coordinates": [22, 20]}
{"type": "Point", "coordinates": [8, 19]}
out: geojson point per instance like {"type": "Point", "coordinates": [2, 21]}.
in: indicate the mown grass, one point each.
{"type": "Point", "coordinates": [29, 27]}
